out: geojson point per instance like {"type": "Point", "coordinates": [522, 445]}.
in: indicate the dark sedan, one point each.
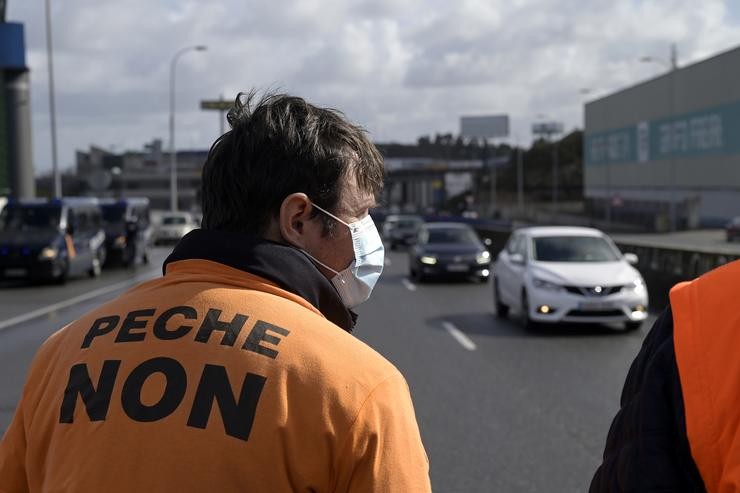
{"type": "Point", "coordinates": [732, 229]}
{"type": "Point", "coordinates": [447, 250]}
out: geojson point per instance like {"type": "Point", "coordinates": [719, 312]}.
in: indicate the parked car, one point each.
{"type": "Point", "coordinates": [448, 249]}
{"type": "Point", "coordinates": [173, 226]}
{"type": "Point", "coordinates": [732, 229]}
{"type": "Point", "coordinates": [128, 230]}
{"type": "Point", "coordinates": [573, 275]}
{"type": "Point", "coordinates": [51, 239]}
{"type": "Point", "coordinates": [401, 229]}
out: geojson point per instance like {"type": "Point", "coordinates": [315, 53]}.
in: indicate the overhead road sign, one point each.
{"type": "Point", "coordinates": [220, 105]}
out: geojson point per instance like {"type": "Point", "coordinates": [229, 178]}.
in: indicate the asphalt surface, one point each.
{"type": "Point", "coordinates": [500, 408]}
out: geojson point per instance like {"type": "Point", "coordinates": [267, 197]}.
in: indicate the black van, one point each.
{"type": "Point", "coordinates": [51, 239]}
{"type": "Point", "coordinates": [128, 230]}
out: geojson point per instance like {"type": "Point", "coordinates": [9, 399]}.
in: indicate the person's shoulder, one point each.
{"type": "Point", "coordinates": [342, 349]}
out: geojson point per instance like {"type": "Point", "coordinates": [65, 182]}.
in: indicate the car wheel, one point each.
{"type": "Point", "coordinates": [61, 278]}
{"type": "Point", "coordinates": [632, 326]}
{"type": "Point", "coordinates": [129, 256]}
{"type": "Point", "coordinates": [502, 310]}
{"type": "Point", "coordinates": [526, 321]}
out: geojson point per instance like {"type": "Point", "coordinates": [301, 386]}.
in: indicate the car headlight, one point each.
{"type": "Point", "coordinates": [428, 259]}
{"type": "Point", "coordinates": [48, 253]}
{"type": "Point", "coordinates": [546, 285]}
{"type": "Point", "coordinates": [638, 285]}
{"type": "Point", "coordinates": [483, 257]}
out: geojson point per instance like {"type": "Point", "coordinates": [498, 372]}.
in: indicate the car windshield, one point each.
{"type": "Point", "coordinates": [408, 223]}
{"type": "Point", "coordinates": [113, 213]}
{"type": "Point", "coordinates": [452, 235]}
{"type": "Point", "coordinates": [573, 249]}
{"type": "Point", "coordinates": [173, 220]}
{"type": "Point", "coordinates": [25, 218]}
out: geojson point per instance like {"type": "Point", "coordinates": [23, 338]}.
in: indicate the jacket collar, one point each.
{"type": "Point", "coordinates": [284, 265]}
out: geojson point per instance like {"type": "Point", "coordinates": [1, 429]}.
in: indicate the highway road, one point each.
{"type": "Point", "coordinates": [500, 408]}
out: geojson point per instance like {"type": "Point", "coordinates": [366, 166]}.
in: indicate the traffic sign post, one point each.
{"type": "Point", "coordinates": [220, 105]}
{"type": "Point", "coordinates": [486, 127]}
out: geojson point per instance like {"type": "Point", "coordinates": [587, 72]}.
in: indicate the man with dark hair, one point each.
{"type": "Point", "coordinates": [236, 370]}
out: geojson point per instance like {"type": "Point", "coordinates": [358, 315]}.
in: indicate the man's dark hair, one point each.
{"type": "Point", "coordinates": [278, 146]}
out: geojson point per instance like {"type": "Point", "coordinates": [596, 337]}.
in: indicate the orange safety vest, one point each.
{"type": "Point", "coordinates": [707, 344]}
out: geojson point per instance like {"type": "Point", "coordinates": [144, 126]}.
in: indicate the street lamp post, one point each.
{"type": "Point", "coordinates": [52, 106]}
{"type": "Point", "coordinates": [173, 154]}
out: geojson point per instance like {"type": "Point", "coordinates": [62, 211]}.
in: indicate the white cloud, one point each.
{"type": "Point", "coordinates": [402, 69]}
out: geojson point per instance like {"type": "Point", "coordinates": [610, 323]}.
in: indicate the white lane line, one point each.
{"type": "Point", "coordinates": [72, 301]}
{"type": "Point", "coordinates": [409, 285]}
{"type": "Point", "coordinates": [459, 336]}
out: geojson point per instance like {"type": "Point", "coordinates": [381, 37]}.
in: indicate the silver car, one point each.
{"type": "Point", "coordinates": [173, 226]}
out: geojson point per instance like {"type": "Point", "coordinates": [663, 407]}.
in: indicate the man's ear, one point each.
{"type": "Point", "coordinates": [295, 212]}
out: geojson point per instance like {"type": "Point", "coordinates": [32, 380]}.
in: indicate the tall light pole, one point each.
{"type": "Point", "coordinates": [671, 65]}
{"type": "Point", "coordinates": [52, 106]}
{"type": "Point", "coordinates": [173, 154]}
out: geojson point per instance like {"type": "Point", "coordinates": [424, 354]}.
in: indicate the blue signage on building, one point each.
{"type": "Point", "coordinates": [12, 46]}
{"type": "Point", "coordinates": [712, 131]}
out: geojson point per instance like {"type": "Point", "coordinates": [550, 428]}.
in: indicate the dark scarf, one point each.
{"type": "Point", "coordinates": [282, 264]}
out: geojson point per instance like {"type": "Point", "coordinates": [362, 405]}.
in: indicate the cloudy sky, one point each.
{"type": "Point", "coordinates": [401, 68]}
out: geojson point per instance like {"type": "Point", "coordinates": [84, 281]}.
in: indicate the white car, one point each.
{"type": "Point", "coordinates": [571, 275]}
{"type": "Point", "coordinates": [173, 226]}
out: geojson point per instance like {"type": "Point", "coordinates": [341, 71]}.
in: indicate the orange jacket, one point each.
{"type": "Point", "coordinates": [211, 379]}
{"type": "Point", "coordinates": [707, 344]}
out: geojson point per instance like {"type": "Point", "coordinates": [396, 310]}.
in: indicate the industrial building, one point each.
{"type": "Point", "coordinates": [143, 174]}
{"type": "Point", "coordinates": [665, 154]}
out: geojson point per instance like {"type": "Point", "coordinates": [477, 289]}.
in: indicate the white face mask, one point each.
{"type": "Point", "coordinates": [356, 282]}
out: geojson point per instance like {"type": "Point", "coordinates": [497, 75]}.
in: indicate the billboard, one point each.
{"type": "Point", "coordinates": [547, 128]}
{"type": "Point", "coordinates": [484, 127]}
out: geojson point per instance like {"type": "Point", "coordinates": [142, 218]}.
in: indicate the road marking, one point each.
{"type": "Point", "coordinates": [459, 336]}
{"type": "Point", "coordinates": [409, 285]}
{"type": "Point", "coordinates": [72, 301]}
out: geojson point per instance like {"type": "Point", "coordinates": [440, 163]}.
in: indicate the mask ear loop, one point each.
{"type": "Point", "coordinates": [329, 214]}
{"type": "Point", "coordinates": [336, 273]}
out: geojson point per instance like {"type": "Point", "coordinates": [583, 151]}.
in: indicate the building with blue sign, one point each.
{"type": "Point", "coordinates": [665, 154]}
